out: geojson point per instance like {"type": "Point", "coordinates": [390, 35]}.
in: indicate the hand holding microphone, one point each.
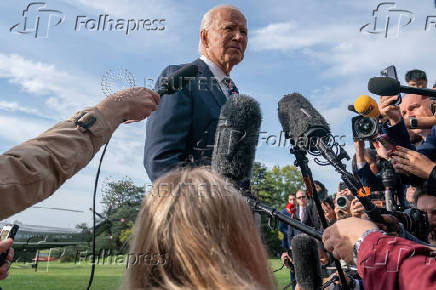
{"type": "Point", "coordinates": [367, 107]}
{"type": "Point", "coordinates": [132, 104]}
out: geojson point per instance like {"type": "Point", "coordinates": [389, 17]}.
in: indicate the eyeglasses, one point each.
{"type": "Point", "coordinates": [300, 197]}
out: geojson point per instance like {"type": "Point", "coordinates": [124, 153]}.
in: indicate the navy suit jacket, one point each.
{"type": "Point", "coordinates": [183, 127]}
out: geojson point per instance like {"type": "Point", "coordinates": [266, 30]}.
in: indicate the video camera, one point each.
{"type": "Point", "coordinates": [367, 128]}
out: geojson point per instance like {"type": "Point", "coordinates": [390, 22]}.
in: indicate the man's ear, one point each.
{"type": "Point", "coordinates": [203, 38]}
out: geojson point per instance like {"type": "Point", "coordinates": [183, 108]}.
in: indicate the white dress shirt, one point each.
{"type": "Point", "coordinates": [217, 73]}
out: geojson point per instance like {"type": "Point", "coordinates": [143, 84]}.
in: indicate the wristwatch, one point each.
{"type": "Point", "coordinates": [413, 123]}
{"type": "Point", "coordinates": [360, 240]}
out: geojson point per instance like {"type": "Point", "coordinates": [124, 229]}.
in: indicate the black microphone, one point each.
{"type": "Point", "coordinates": [300, 120]}
{"type": "Point", "coordinates": [306, 262]}
{"type": "Point", "coordinates": [236, 138]}
{"type": "Point", "coordinates": [384, 86]}
{"type": "Point", "coordinates": [178, 79]}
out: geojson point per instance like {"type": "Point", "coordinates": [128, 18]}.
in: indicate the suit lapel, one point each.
{"type": "Point", "coordinates": [215, 91]}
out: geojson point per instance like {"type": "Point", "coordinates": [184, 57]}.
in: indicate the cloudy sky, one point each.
{"type": "Point", "coordinates": [312, 47]}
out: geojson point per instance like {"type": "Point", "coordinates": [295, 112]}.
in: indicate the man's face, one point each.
{"type": "Point", "coordinates": [226, 38]}
{"type": "Point", "coordinates": [292, 199]}
{"type": "Point", "coordinates": [418, 84]}
{"type": "Point", "coordinates": [427, 203]}
{"type": "Point", "coordinates": [301, 198]}
{"type": "Point", "coordinates": [416, 106]}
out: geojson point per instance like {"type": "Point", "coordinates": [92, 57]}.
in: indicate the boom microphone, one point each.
{"type": "Point", "coordinates": [366, 106]}
{"type": "Point", "coordinates": [236, 138]}
{"type": "Point", "coordinates": [178, 79]}
{"type": "Point", "coordinates": [384, 86]}
{"type": "Point", "coordinates": [300, 120]}
{"type": "Point", "coordinates": [306, 262]}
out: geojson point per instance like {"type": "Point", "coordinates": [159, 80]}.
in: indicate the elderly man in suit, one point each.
{"type": "Point", "coordinates": [183, 128]}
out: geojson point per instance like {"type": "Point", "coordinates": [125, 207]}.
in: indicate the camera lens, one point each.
{"type": "Point", "coordinates": [364, 126]}
{"type": "Point", "coordinates": [342, 201]}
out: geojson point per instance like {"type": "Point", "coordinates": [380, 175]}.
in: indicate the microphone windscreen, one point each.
{"type": "Point", "coordinates": [299, 118]}
{"type": "Point", "coordinates": [236, 138]}
{"type": "Point", "coordinates": [384, 86]}
{"type": "Point", "coordinates": [366, 106]}
{"type": "Point", "coordinates": [306, 262]}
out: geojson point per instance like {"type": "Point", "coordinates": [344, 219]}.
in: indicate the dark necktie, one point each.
{"type": "Point", "coordinates": [231, 87]}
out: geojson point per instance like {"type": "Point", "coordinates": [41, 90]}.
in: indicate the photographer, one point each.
{"type": "Point", "coordinates": [383, 261]}
{"type": "Point", "coordinates": [366, 167]}
{"type": "Point", "coordinates": [413, 106]}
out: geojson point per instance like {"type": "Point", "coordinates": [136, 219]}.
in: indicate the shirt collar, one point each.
{"type": "Point", "coordinates": [216, 70]}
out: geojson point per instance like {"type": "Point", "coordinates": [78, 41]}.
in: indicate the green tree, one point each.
{"type": "Point", "coordinates": [122, 200]}
{"type": "Point", "coordinates": [121, 192]}
{"type": "Point", "coordinates": [273, 187]}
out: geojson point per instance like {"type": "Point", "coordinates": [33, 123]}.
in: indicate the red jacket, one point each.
{"type": "Point", "coordinates": [389, 262]}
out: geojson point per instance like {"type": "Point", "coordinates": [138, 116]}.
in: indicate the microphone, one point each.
{"type": "Point", "coordinates": [236, 138]}
{"type": "Point", "coordinates": [290, 108]}
{"type": "Point", "coordinates": [367, 107]}
{"type": "Point", "coordinates": [352, 109]}
{"type": "Point", "coordinates": [300, 121]}
{"type": "Point", "coordinates": [306, 262]}
{"type": "Point", "coordinates": [178, 79]}
{"type": "Point", "coordinates": [384, 86]}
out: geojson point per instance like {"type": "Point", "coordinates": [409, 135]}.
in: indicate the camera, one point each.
{"type": "Point", "coordinates": [344, 202]}
{"type": "Point", "coordinates": [364, 128]}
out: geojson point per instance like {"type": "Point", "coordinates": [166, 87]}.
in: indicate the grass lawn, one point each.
{"type": "Point", "coordinates": [75, 276]}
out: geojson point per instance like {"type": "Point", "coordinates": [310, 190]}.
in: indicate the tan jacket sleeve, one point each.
{"type": "Point", "coordinates": [33, 170]}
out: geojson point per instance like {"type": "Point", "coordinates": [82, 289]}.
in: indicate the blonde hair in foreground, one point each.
{"type": "Point", "coordinates": [206, 231]}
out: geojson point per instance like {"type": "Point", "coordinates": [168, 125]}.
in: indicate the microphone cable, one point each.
{"type": "Point", "coordinates": [91, 277]}
{"type": "Point", "coordinates": [279, 268]}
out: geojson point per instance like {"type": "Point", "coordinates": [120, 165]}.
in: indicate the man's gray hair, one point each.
{"type": "Point", "coordinates": [208, 17]}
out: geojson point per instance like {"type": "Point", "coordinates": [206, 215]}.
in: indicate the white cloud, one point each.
{"type": "Point", "coordinates": [346, 50]}
{"type": "Point", "coordinates": [289, 36]}
{"type": "Point", "coordinates": [15, 107]}
{"type": "Point", "coordinates": [66, 92]}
